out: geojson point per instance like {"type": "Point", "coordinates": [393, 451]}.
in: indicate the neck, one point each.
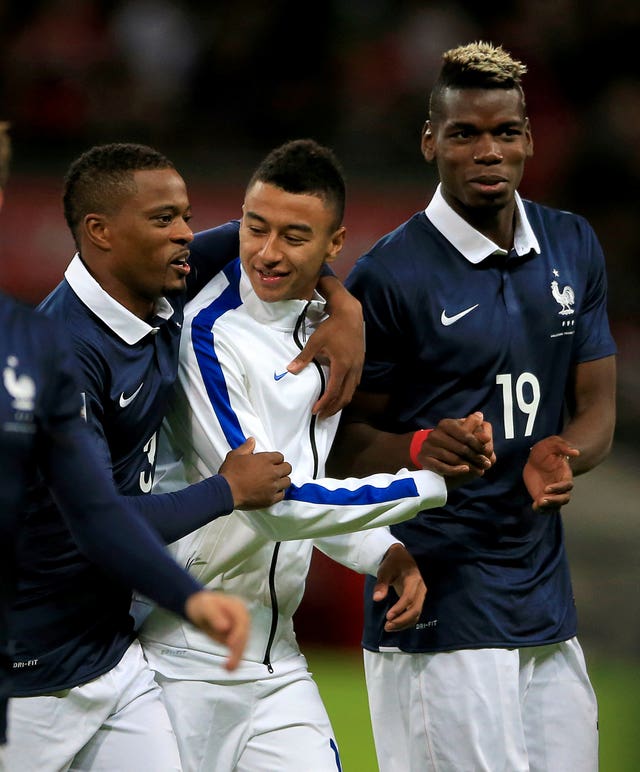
{"type": "Point", "coordinates": [139, 305]}
{"type": "Point", "coordinates": [499, 225]}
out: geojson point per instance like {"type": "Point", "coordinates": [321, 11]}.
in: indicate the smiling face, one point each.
{"type": "Point", "coordinates": [479, 142]}
{"type": "Point", "coordinates": [285, 238]}
{"type": "Point", "coordinates": [144, 244]}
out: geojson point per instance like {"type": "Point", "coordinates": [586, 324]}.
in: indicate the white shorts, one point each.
{"type": "Point", "coordinates": [115, 722]}
{"type": "Point", "coordinates": [483, 710]}
{"type": "Point", "coordinates": [275, 724]}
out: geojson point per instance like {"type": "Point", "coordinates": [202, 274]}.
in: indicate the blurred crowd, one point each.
{"type": "Point", "coordinates": [215, 85]}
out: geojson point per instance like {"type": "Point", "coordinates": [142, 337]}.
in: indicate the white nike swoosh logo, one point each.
{"type": "Point", "coordinates": [447, 320]}
{"type": "Point", "coordinates": [124, 401]}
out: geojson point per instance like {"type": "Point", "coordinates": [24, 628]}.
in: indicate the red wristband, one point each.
{"type": "Point", "coordinates": [416, 445]}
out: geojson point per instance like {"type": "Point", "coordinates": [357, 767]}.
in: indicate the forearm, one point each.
{"type": "Point", "coordinates": [592, 436]}
{"type": "Point", "coordinates": [593, 413]}
{"type": "Point", "coordinates": [174, 515]}
{"type": "Point", "coordinates": [361, 551]}
{"type": "Point", "coordinates": [359, 450]}
{"type": "Point", "coordinates": [106, 529]}
{"type": "Point", "coordinates": [329, 506]}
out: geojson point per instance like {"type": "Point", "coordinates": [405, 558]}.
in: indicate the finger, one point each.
{"type": "Point", "coordinates": [402, 622]}
{"type": "Point", "coordinates": [274, 457]}
{"type": "Point", "coordinates": [551, 502]}
{"type": "Point", "coordinates": [403, 614]}
{"type": "Point", "coordinates": [236, 641]}
{"type": "Point", "coordinates": [283, 484]}
{"type": "Point", "coordinates": [380, 590]}
{"type": "Point", "coordinates": [342, 398]}
{"type": "Point", "coordinates": [472, 422]}
{"type": "Point", "coordinates": [444, 469]}
{"type": "Point", "coordinates": [283, 470]}
{"type": "Point", "coordinates": [455, 445]}
{"type": "Point", "coordinates": [563, 486]}
{"type": "Point", "coordinates": [333, 398]}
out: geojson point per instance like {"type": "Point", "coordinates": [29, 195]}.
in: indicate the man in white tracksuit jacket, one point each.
{"type": "Point", "coordinates": [239, 333]}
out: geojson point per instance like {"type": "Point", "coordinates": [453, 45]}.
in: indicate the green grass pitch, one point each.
{"type": "Point", "coordinates": [340, 677]}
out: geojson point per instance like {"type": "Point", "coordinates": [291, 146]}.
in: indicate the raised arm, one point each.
{"type": "Point", "coordinates": [340, 341]}
{"type": "Point", "coordinates": [457, 448]}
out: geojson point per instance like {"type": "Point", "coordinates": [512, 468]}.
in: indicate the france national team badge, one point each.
{"type": "Point", "coordinates": [21, 387]}
{"type": "Point", "coordinates": [22, 390]}
{"type": "Point", "coordinates": [565, 298]}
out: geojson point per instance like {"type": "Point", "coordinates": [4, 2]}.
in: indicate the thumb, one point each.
{"type": "Point", "coordinates": [247, 447]}
{"type": "Point", "coordinates": [302, 360]}
{"type": "Point", "coordinates": [381, 590]}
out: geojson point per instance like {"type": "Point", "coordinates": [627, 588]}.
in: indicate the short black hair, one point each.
{"type": "Point", "coordinates": [101, 177]}
{"type": "Point", "coordinates": [304, 166]}
{"type": "Point", "coordinates": [476, 65]}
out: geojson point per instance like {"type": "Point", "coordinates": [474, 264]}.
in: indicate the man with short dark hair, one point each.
{"type": "Point", "coordinates": [240, 331]}
{"type": "Point", "coordinates": [42, 433]}
{"type": "Point", "coordinates": [487, 302]}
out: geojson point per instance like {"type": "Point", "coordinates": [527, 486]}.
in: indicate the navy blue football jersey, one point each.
{"type": "Point", "coordinates": [70, 620]}
{"type": "Point", "coordinates": [42, 437]}
{"type": "Point", "coordinates": [37, 395]}
{"type": "Point", "coordinates": [455, 329]}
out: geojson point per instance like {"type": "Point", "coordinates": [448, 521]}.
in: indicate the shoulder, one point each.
{"type": "Point", "coordinates": [556, 221]}
{"type": "Point", "coordinates": [21, 320]}
{"type": "Point", "coordinates": [397, 256]}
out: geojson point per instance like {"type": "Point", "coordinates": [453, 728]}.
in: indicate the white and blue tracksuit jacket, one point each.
{"type": "Point", "coordinates": [233, 384]}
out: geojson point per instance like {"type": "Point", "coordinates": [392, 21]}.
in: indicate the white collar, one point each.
{"type": "Point", "coordinates": [283, 314]}
{"type": "Point", "coordinates": [470, 242]}
{"type": "Point", "coordinates": [126, 325]}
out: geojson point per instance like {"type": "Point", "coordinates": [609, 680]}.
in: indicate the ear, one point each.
{"type": "Point", "coordinates": [336, 244]}
{"type": "Point", "coordinates": [528, 137]}
{"type": "Point", "coordinates": [427, 143]}
{"type": "Point", "coordinates": [95, 227]}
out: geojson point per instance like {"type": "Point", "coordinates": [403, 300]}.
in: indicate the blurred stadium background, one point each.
{"type": "Point", "coordinates": [216, 85]}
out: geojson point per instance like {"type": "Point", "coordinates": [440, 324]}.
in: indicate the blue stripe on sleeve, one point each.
{"type": "Point", "coordinates": [365, 494]}
{"type": "Point", "coordinates": [203, 342]}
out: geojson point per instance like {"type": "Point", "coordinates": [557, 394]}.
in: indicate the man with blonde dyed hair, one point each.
{"type": "Point", "coordinates": [483, 301]}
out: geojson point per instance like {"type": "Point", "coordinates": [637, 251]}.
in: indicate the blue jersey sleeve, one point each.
{"type": "Point", "coordinates": [387, 326]}
{"type": "Point", "coordinates": [593, 335]}
{"type": "Point", "coordinates": [105, 528]}
{"type": "Point", "coordinates": [172, 515]}
{"type": "Point", "coordinates": [210, 252]}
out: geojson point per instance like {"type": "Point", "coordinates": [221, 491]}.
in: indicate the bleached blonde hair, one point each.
{"type": "Point", "coordinates": [477, 65]}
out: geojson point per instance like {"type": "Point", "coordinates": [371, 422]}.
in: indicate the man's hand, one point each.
{"type": "Point", "coordinates": [340, 341]}
{"type": "Point", "coordinates": [547, 473]}
{"type": "Point", "coordinates": [257, 480]}
{"type": "Point", "coordinates": [399, 570]}
{"type": "Point", "coordinates": [222, 617]}
{"type": "Point", "coordinates": [460, 449]}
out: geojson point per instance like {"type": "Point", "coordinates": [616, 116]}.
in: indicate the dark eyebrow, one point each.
{"type": "Point", "coordinates": [176, 210]}
{"type": "Point", "coordinates": [474, 127]}
{"type": "Point", "coordinates": [290, 227]}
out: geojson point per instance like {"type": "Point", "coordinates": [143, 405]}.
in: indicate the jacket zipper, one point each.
{"type": "Point", "coordinates": [274, 607]}
{"type": "Point", "coordinates": [312, 438]}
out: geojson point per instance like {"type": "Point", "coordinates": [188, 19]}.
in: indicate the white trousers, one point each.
{"type": "Point", "coordinates": [275, 724]}
{"type": "Point", "coordinates": [115, 723]}
{"type": "Point", "coordinates": [484, 710]}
